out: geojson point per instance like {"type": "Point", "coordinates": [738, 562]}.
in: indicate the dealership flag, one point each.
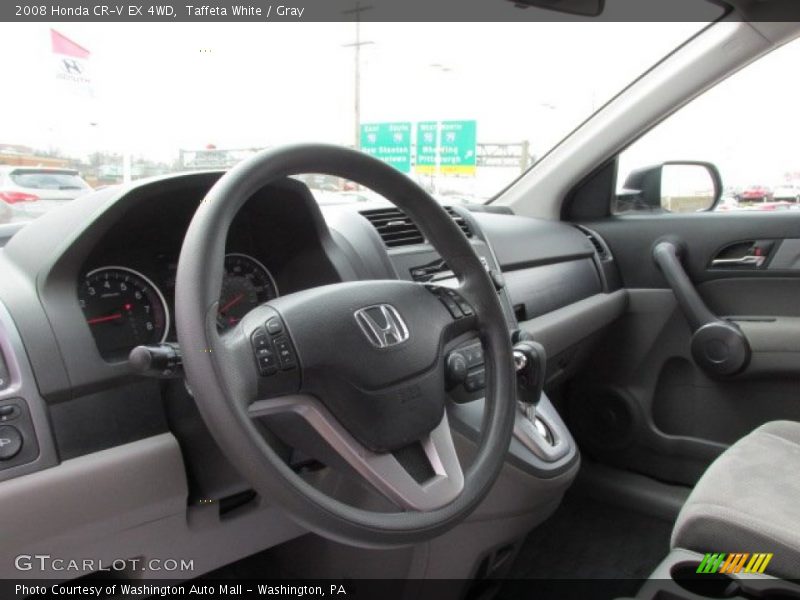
{"type": "Point", "coordinates": [72, 63]}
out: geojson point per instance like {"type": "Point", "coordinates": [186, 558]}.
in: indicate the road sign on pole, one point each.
{"type": "Point", "coordinates": [427, 147]}
{"type": "Point", "coordinates": [389, 142]}
{"type": "Point", "coordinates": [446, 147]}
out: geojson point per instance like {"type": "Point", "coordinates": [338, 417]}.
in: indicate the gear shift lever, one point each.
{"type": "Point", "coordinates": [530, 360]}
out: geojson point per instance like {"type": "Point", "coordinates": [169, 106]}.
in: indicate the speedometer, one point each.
{"type": "Point", "coordinates": [123, 309]}
{"type": "Point", "coordinates": [246, 284]}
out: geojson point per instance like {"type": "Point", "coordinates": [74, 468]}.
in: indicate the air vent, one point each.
{"type": "Point", "coordinates": [396, 229]}
{"type": "Point", "coordinates": [599, 245]}
{"type": "Point", "coordinates": [460, 221]}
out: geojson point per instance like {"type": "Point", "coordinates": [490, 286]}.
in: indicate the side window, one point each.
{"type": "Point", "coordinates": [746, 129]}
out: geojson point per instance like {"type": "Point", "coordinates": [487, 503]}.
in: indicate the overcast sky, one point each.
{"type": "Point", "coordinates": [161, 87]}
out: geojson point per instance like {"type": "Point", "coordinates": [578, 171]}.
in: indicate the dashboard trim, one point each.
{"type": "Point", "coordinates": [23, 385]}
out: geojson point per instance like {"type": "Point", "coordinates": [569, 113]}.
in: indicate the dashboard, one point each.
{"type": "Point", "coordinates": [85, 284]}
{"type": "Point", "coordinates": [101, 275]}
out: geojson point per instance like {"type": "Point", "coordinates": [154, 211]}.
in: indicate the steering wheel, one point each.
{"type": "Point", "coordinates": [359, 364]}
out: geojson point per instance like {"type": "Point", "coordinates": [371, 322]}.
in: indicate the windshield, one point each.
{"type": "Point", "coordinates": [462, 108]}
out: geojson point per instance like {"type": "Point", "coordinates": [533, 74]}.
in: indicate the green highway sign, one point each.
{"type": "Point", "coordinates": [455, 143]}
{"type": "Point", "coordinates": [427, 143]}
{"type": "Point", "coordinates": [389, 142]}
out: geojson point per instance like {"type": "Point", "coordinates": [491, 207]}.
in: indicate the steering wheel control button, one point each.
{"type": "Point", "coordinates": [285, 353]}
{"type": "Point", "coordinates": [263, 351]}
{"type": "Point", "coordinates": [465, 366]}
{"type": "Point", "coordinates": [267, 362]}
{"type": "Point", "coordinates": [465, 307]}
{"type": "Point", "coordinates": [476, 380]}
{"type": "Point", "coordinates": [462, 304]}
{"type": "Point", "coordinates": [260, 340]}
{"type": "Point", "coordinates": [453, 301]}
{"type": "Point", "coordinates": [9, 412]}
{"type": "Point", "coordinates": [448, 302]}
{"type": "Point", "coordinates": [274, 325]}
{"type": "Point", "coordinates": [451, 306]}
{"type": "Point", "coordinates": [456, 368]}
{"type": "Point", "coordinates": [10, 442]}
{"type": "Point", "coordinates": [473, 355]}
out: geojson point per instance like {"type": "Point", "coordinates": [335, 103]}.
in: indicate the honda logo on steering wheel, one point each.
{"type": "Point", "coordinates": [382, 325]}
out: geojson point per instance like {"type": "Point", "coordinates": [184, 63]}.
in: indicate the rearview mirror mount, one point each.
{"type": "Point", "coordinates": [583, 8]}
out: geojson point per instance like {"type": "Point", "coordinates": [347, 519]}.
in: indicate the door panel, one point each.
{"type": "Point", "coordinates": [645, 405]}
{"type": "Point", "coordinates": [766, 296]}
{"type": "Point", "coordinates": [704, 235]}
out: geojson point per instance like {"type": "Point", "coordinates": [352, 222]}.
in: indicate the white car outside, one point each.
{"type": "Point", "coordinates": [787, 191]}
{"type": "Point", "coordinates": [33, 191]}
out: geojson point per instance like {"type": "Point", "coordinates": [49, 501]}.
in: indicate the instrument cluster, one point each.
{"type": "Point", "coordinates": [125, 308]}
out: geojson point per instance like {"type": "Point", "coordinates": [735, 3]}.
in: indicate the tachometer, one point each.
{"type": "Point", "coordinates": [246, 284]}
{"type": "Point", "coordinates": [123, 309]}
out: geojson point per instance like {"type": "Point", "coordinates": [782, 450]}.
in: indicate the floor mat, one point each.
{"type": "Point", "coordinates": [587, 539]}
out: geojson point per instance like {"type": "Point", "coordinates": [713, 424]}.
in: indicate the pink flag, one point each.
{"type": "Point", "coordinates": [71, 65]}
{"type": "Point", "coordinates": [64, 45]}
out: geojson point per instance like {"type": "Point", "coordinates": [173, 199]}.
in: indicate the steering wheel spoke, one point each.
{"type": "Point", "coordinates": [436, 480]}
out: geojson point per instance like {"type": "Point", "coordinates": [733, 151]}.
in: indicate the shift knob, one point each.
{"type": "Point", "coordinates": [530, 360]}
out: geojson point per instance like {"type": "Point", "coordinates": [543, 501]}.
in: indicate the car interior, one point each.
{"type": "Point", "coordinates": [571, 382]}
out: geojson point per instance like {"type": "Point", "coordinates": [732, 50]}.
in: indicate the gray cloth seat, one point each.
{"type": "Point", "coordinates": [749, 500]}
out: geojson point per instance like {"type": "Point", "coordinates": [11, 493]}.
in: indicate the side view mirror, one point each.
{"type": "Point", "coordinates": [675, 186]}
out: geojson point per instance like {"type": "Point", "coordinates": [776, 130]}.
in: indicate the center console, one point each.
{"type": "Point", "coordinates": [542, 444]}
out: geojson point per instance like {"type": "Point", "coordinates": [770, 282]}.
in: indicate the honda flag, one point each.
{"type": "Point", "coordinates": [72, 63]}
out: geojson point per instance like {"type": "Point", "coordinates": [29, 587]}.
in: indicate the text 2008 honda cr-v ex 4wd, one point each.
{"type": "Point", "coordinates": [400, 300]}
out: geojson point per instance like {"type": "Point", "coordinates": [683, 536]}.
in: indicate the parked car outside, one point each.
{"type": "Point", "coordinates": [787, 191]}
{"type": "Point", "coordinates": [755, 193]}
{"type": "Point", "coordinates": [32, 191]}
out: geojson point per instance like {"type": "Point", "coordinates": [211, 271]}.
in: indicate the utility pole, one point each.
{"type": "Point", "coordinates": [524, 156]}
{"type": "Point", "coordinates": [356, 45]}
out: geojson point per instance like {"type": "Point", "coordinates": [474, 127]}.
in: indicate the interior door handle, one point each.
{"type": "Point", "coordinates": [666, 256]}
{"type": "Point", "coordinates": [718, 347]}
{"type": "Point", "coordinates": [742, 261]}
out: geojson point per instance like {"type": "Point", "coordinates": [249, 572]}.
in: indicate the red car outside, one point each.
{"type": "Point", "coordinates": [755, 193]}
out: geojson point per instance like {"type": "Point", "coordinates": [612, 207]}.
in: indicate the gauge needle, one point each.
{"type": "Point", "coordinates": [231, 304]}
{"type": "Point", "coordinates": [104, 319]}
